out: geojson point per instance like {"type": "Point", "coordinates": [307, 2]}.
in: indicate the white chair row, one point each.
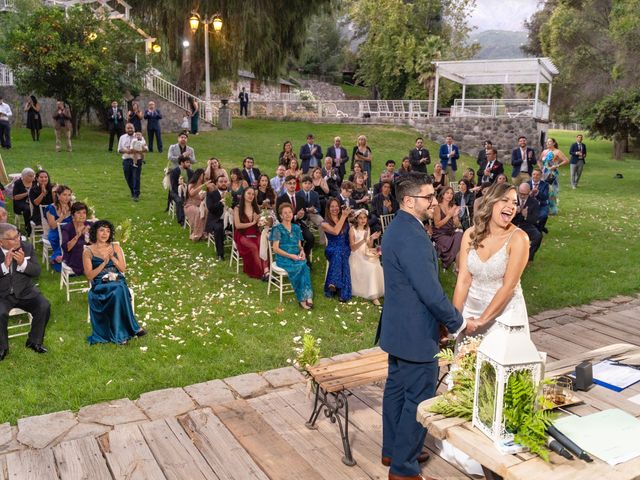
{"type": "Point", "coordinates": [14, 312]}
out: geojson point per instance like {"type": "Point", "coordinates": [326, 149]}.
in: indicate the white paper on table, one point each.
{"type": "Point", "coordinates": [619, 376]}
{"type": "Point", "coordinates": [611, 435]}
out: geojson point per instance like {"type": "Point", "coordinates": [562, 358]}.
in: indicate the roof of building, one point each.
{"type": "Point", "coordinates": [248, 74]}
{"type": "Point", "coordinates": [498, 72]}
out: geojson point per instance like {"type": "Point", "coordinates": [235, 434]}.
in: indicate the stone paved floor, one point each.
{"type": "Point", "coordinates": [252, 425]}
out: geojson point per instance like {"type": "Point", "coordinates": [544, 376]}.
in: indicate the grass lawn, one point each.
{"type": "Point", "coordinates": [206, 322]}
{"type": "Point", "coordinates": [355, 92]}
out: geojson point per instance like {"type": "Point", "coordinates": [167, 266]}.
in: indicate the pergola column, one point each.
{"type": "Point", "coordinates": [435, 94]}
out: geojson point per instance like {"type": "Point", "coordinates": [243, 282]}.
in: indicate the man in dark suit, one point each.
{"type": "Point", "coordinates": [312, 202]}
{"type": "Point", "coordinates": [419, 157]}
{"type": "Point", "coordinates": [115, 122]}
{"type": "Point", "coordinates": [250, 174]}
{"type": "Point", "coordinates": [527, 218]}
{"type": "Point", "coordinates": [540, 192]}
{"type": "Point", "coordinates": [180, 176]}
{"type": "Point", "coordinates": [346, 189]}
{"type": "Point", "coordinates": [578, 152]}
{"type": "Point", "coordinates": [523, 160]}
{"type": "Point", "coordinates": [310, 154]}
{"type": "Point", "coordinates": [489, 171]}
{"type": "Point", "coordinates": [449, 155]}
{"type": "Point", "coordinates": [332, 177]}
{"type": "Point", "coordinates": [215, 218]}
{"type": "Point", "coordinates": [19, 264]}
{"type": "Point", "coordinates": [244, 102]}
{"type": "Point", "coordinates": [482, 153]}
{"type": "Point", "coordinates": [339, 156]}
{"type": "Point", "coordinates": [153, 116]}
{"type": "Point", "coordinates": [299, 214]}
{"type": "Point", "coordinates": [415, 310]}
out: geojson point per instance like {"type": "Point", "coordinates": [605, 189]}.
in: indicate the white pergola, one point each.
{"type": "Point", "coordinates": [496, 72]}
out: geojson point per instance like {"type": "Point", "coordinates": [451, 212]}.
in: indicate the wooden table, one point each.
{"type": "Point", "coordinates": [525, 466]}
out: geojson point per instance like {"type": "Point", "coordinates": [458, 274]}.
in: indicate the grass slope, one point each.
{"type": "Point", "coordinates": [206, 322]}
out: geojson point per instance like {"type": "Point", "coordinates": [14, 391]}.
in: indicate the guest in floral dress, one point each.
{"type": "Point", "coordinates": [550, 160]}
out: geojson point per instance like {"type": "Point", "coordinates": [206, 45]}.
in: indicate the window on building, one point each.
{"type": "Point", "coordinates": [256, 87]}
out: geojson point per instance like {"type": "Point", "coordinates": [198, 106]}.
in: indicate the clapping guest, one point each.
{"type": "Point", "coordinates": [266, 197]}
{"type": "Point", "coordinates": [330, 174]}
{"type": "Point", "coordinates": [367, 278]}
{"type": "Point", "coordinates": [41, 193]}
{"type": "Point", "coordinates": [551, 159]}
{"type": "Point", "coordinates": [294, 170]}
{"type": "Point", "coordinates": [447, 231]}
{"type": "Point", "coordinates": [346, 190]}
{"type": "Point", "coordinates": [21, 204]}
{"type": "Point", "coordinates": [236, 185]}
{"type": "Point", "coordinates": [440, 179]}
{"type": "Point", "coordinates": [464, 199]}
{"type": "Point", "coordinates": [358, 168]}
{"type": "Point", "coordinates": [310, 154]}
{"type": "Point", "coordinates": [336, 228]}
{"type": "Point", "coordinates": [540, 192]}
{"type": "Point", "coordinates": [362, 153]}
{"type": "Point", "coordinates": [311, 200]}
{"type": "Point", "coordinates": [286, 238]}
{"type": "Point", "coordinates": [286, 154]}
{"type": "Point", "coordinates": [193, 206]}
{"type": "Point", "coordinates": [389, 173]}
{"type": "Point", "coordinates": [134, 116]}
{"type": "Point", "coordinates": [249, 173]}
{"type": "Point", "coordinates": [339, 156]}
{"type": "Point", "coordinates": [179, 178]}
{"type": "Point", "coordinates": [110, 309]}
{"type": "Point", "coordinates": [58, 213]}
{"type": "Point", "coordinates": [74, 238]}
{"type": "Point", "coordinates": [383, 203]}
{"type": "Point", "coordinates": [277, 182]}
{"type": "Point", "coordinates": [214, 170]}
{"type": "Point", "coordinates": [215, 216]}
{"type": "Point", "coordinates": [321, 187]}
{"type": "Point", "coordinates": [247, 235]}
{"type": "Point", "coordinates": [360, 193]}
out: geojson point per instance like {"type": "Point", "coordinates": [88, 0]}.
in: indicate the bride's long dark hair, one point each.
{"type": "Point", "coordinates": [482, 215]}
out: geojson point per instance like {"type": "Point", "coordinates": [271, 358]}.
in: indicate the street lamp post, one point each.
{"type": "Point", "coordinates": [194, 22]}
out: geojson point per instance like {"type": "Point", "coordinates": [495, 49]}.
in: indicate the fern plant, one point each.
{"type": "Point", "coordinates": [310, 353]}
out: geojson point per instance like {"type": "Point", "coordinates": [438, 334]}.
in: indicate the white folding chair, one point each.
{"type": "Point", "coordinates": [385, 220]}
{"type": "Point", "coordinates": [235, 255]}
{"type": "Point", "coordinates": [455, 186]}
{"type": "Point", "coordinates": [46, 245]}
{"type": "Point", "coordinates": [172, 209]}
{"type": "Point", "coordinates": [278, 277]}
{"type": "Point", "coordinates": [21, 323]}
{"type": "Point", "coordinates": [65, 276]}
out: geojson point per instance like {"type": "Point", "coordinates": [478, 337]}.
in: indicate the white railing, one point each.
{"type": "Point", "coordinates": [574, 127]}
{"type": "Point", "coordinates": [339, 108]}
{"type": "Point", "coordinates": [174, 94]}
{"type": "Point", "coordinates": [499, 107]}
{"type": "Point", "coordinates": [7, 5]}
{"type": "Point", "coordinates": [6, 76]}
{"type": "Point", "coordinates": [103, 6]}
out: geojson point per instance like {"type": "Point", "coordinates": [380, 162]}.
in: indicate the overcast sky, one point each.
{"type": "Point", "coordinates": [502, 14]}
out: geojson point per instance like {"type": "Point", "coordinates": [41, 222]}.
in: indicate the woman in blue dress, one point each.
{"type": "Point", "coordinates": [112, 317]}
{"type": "Point", "coordinates": [287, 246]}
{"type": "Point", "coordinates": [550, 160]}
{"type": "Point", "coordinates": [338, 250]}
{"type": "Point", "coordinates": [58, 213]}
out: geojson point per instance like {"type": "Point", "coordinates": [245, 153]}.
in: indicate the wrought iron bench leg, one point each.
{"type": "Point", "coordinates": [317, 406]}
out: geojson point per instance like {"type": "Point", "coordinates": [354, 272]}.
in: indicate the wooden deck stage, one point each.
{"type": "Point", "coordinates": [253, 426]}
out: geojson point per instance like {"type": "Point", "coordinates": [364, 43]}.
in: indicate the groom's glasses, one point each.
{"type": "Point", "coordinates": [429, 198]}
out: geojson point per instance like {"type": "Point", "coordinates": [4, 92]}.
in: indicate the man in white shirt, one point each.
{"type": "Point", "coordinates": [277, 182]}
{"type": "Point", "coordinates": [131, 173]}
{"type": "Point", "coordinates": [5, 125]}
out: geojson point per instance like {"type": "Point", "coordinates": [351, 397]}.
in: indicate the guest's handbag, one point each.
{"type": "Point", "coordinates": [550, 178]}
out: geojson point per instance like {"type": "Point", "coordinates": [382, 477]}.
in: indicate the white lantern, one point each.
{"type": "Point", "coordinates": [505, 350]}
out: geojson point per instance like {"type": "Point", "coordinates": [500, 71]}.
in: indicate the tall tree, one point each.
{"type": "Point", "coordinates": [323, 52]}
{"type": "Point", "coordinates": [256, 35]}
{"type": "Point", "coordinates": [73, 56]}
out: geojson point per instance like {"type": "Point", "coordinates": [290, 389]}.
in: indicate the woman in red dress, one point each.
{"type": "Point", "coordinates": [246, 234]}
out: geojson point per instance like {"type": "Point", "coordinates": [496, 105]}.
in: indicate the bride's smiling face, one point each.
{"type": "Point", "coordinates": [505, 209]}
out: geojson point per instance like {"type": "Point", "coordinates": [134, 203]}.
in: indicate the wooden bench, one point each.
{"type": "Point", "coordinates": [333, 380]}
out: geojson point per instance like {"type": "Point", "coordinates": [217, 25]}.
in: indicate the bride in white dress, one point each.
{"type": "Point", "coordinates": [367, 279]}
{"type": "Point", "coordinates": [493, 255]}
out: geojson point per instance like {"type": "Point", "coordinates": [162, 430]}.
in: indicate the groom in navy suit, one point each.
{"type": "Point", "coordinates": [415, 309]}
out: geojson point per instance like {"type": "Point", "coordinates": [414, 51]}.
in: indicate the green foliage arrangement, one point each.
{"type": "Point", "coordinates": [310, 353]}
{"type": "Point", "coordinates": [524, 411]}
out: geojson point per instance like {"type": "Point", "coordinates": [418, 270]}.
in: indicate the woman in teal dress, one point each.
{"type": "Point", "coordinates": [338, 251]}
{"type": "Point", "coordinates": [110, 309]}
{"type": "Point", "coordinates": [550, 160]}
{"type": "Point", "coordinates": [287, 246]}
{"type": "Point", "coordinates": [58, 213]}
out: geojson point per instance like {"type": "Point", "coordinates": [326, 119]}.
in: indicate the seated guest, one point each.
{"type": "Point", "coordinates": [236, 186]}
{"type": "Point", "coordinates": [266, 197]}
{"type": "Point", "coordinates": [112, 317]}
{"type": "Point", "coordinates": [21, 204]}
{"type": "Point", "coordinates": [214, 170]}
{"type": "Point", "coordinates": [367, 278]}
{"type": "Point", "coordinates": [389, 173]}
{"type": "Point", "coordinates": [358, 168]}
{"type": "Point", "coordinates": [19, 263]}
{"type": "Point", "coordinates": [249, 173]}
{"type": "Point", "coordinates": [58, 213]}
{"type": "Point", "coordinates": [339, 156]}
{"type": "Point", "coordinates": [346, 189]}
{"type": "Point", "coordinates": [74, 237]}
{"type": "Point", "coordinates": [215, 216]}
{"type": "Point", "coordinates": [464, 197]}
{"type": "Point", "coordinates": [286, 154]}
{"type": "Point", "coordinates": [178, 177]}
{"type": "Point", "coordinates": [446, 229]}
{"type": "Point", "coordinates": [40, 194]}
{"type": "Point", "coordinates": [194, 209]}
{"type": "Point", "coordinates": [336, 228]}
{"type": "Point", "coordinates": [300, 211]}
{"type": "Point", "coordinates": [360, 193]}
{"type": "Point", "coordinates": [294, 170]}
{"type": "Point", "coordinates": [321, 187]}
{"type": "Point", "coordinates": [527, 218]}
{"type": "Point", "coordinates": [384, 203]}
{"type": "Point", "coordinates": [501, 178]}
{"type": "Point", "coordinates": [246, 234]}
{"type": "Point", "coordinates": [482, 153]}
{"type": "Point", "coordinates": [311, 200]}
{"type": "Point", "coordinates": [330, 175]}
{"type": "Point", "coordinates": [180, 149]}
{"type": "Point", "coordinates": [277, 182]}
{"type": "Point", "coordinates": [405, 167]}
{"type": "Point", "coordinates": [286, 238]}
{"type": "Point", "coordinates": [440, 179]}
{"type": "Point", "coordinates": [540, 191]}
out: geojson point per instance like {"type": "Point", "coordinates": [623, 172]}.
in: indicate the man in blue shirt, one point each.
{"type": "Point", "coordinates": [449, 153]}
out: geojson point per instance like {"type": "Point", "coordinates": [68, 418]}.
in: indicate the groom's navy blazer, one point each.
{"type": "Point", "coordinates": [414, 302]}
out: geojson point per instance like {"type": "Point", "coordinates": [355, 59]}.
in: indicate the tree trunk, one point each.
{"type": "Point", "coordinates": [619, 145]}
{"type": "Point", "coordinates": [75, 121]}
{"type": "Point", "coordinates": [192, 66]}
